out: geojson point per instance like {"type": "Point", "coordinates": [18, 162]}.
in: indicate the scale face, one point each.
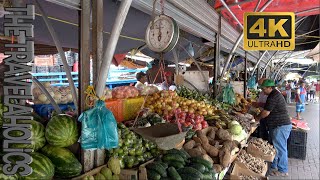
{"type": "Point", "coordinates": [162, 34]}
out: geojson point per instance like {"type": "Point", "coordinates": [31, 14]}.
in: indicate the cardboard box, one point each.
{"type": "Point", "coordinates": [125, 174]}
{"type": "Point", "coordinates": [239, 171]}
{"type": "Point", "coordinates": [264, 171]}
{"type": "Point", "coordinates": [143, 170]}
{"type": "Point", "coordinates": [258, 153]}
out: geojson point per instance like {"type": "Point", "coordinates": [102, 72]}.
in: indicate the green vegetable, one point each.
{"type": "Point", "coordinates": [178, 153]}
{"type": "Point", "coordinates": [200, 167]}
{"type": "Point", "coordinates": [188, 177]}
{"type": "Point", "coordinates": [176, 164]}
{"type": "Point", "coordinates": [173, 173]}
{"type": "Point", "coordinates": [236, 129]}
{"type": "Point", "coordinates": [164, 165]}
{"type": "Point", "coordinates": [114, 165]}
{"type": "Point", "coordinates": [106, 172]}
{"type": "Point", "coordinates": [173, 157]}
{"type": "Point", "coordinates": [153, 175]}
{"type": "Point", "coordinates": [191, 172]}
{"type": "Point", "coordinates": [207, 176]}
{"type": "Point", "coordinates": [99, 176]}
{"type": "Point", "coordinates": [200, 160]}
{"type": "Point", "coordinates": [158, 168]}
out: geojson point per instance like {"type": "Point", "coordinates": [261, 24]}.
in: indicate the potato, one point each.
{"type": "Point", "coordinates": [217, 168]}
{"type": "Point", "coordinates": [211, 134]}
{"type": "Point", "coordinates": [223, 135]}
{"type": "Point", "coordinates": [189, 145]}
{"type": "Point", "coordinates": [195, 152]}
{"type": "Point", "coordinates": [197, 140]}
{"type": "Point", "coordinates": [225, 157]}
{"type": "Point", "coordinates": [204, 139]}
{"type": "Point", "coordinates": [211, 150]}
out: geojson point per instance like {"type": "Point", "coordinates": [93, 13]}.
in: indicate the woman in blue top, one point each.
{"type": "Point", "coordinates": [301, 99]}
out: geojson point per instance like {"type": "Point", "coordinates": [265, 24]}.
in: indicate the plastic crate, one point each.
{"type": "Point", "coordinates": [297, 151]}
{"type": "Point", "coordinates": [116, 107]}
{"type": "Point", "coordinates": [45, 110]}
{"type": "Point", "coordinates": [298, 137]}
{"type": "Point", "coordinates": [131, 107]}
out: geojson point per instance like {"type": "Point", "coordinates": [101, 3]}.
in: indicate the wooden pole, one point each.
{"type": "Point", "coordinates": [87, 157]}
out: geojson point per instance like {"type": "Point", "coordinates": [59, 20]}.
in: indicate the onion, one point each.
{"type": "Point", "coordinates": [47, 85]}
{"type": "Point", "coordinates": [43, 98]}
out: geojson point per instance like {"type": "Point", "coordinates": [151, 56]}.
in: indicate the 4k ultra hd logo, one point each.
{"type": "Point", "coordinates": [269, 31]}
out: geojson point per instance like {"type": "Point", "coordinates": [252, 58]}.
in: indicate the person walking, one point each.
{"type": "Point", "coordinates": [300, 99]}
{"type": "Point", "coordinates": [312, 92]}
{"type": "Point", "coordinates": [277, 117]}
{"type": "Point", "coordinates": [288, 92]}
{"type": "Point", "coordinates": [318, 89]}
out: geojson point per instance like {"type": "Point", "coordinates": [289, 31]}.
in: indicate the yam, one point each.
{"type": "Point", "coordinates": [197, 140]}
{"type": "Point", "coordinates": [211, 134]}
{"type": "Point", "coordinates": [200, 133]}
{"type": "Point", "coordinates": [208, 158]}
{"type": "Point", "coordinates": [204, 139]}
{"type": "Point", "coordinates": [230, 145]}
{"type": "Point", "coordinates": [189, 145]}
{"type": "Point", "coordinates": [217, 168]}
{"type": "Point", "coordinates": [195, 152]}
{"type": "Point", "coordinates": [211, 150]}
{"type": "Point", "coordinates": [225, 157]}
{"type": "Point", "coordinates": [223, 135]}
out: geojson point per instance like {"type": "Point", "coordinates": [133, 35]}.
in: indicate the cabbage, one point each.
{"type": "Point", "coordinates": [242, 136]}
{"type": "Point", "coordinates": [236, 129]}
{"type": "Point", "coordinates": [230, 124]}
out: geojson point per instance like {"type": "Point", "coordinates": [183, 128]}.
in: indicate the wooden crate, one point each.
{"type": "Point", "coordinates": [125, 174]}
{"type": "Point", "coordinates": [143, 170]}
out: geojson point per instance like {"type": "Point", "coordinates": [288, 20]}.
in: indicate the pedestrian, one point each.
{"type": "Point", "coordinates": [276, 115]}
{"type": "Point", "coordinates": [288, 92]}
{"type": "Point", "coordinates": [312, 91]}
{"type": "Point", "coordinates": [308, 87]}
{"type": "Point", "coordinates": [300, 99]}
{"type": "Point", "coordinates": [168, 83]}
{"type": "Point", "coordinates": [318, 89]}
{"type": "Point", "coordinates": [141, 80]}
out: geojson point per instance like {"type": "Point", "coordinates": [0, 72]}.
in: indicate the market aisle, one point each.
{"type": "Point", "coordinates": [309, 168]}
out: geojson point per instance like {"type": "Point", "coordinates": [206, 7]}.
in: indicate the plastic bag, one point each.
{"type": "Point", "coordinates": [228, 95]}
{"type": "Point", "coordinates": [99, 128]}
{"type": "Point", "coordinates": [252, 82]}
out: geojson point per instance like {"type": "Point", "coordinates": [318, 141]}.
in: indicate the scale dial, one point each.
{"type": "Point", "coordinates": [162, 34]}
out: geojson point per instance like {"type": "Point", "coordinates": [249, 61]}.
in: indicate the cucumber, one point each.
{"type": "Point", "coordinates": [191, 172]}
{"type": "Point", "coordinates": [176, 164]}
{"type": "Point", "coordinates": [172, 157]}
{"type": "Point", "coordinates": [166, 178]}
{"type": "Point", "coordinates": [172, 172]}
{"type": "Point", "coordinates": [185, 153]}
{"type": "Point", "coordinates": [207, 176]}
{"type": "Point", "coordinates": [164, 165]}
{"type": "Point", "coordinates": [200, 167]}
{"type": "Point", "coordinates": [153, 175]}
{"type": "Point", "coordinates": [176, 151]}
{"type": "Point", "coordinates": [200, 160]}
{"type": "Point", "coordinates": [157, 168]}
{"type": "Point", "coordinates": [187, 177]}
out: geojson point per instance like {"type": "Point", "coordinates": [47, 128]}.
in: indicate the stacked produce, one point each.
{"type": "Point", "coordinates": [179, 165]}
{"type": "Point", "coordinates": [263, 146]}
{"type": "Point", "coordinates": [61, 95]}
{"type": "Point", "coordinates": [149, 90]}
{"type": "Point", "coordinates": [124, 92]}
{"type": "Point", "coordinates": [133, 150]}
{"type": "Point", "coordinates": [214, 145]}
{"type": "Point", "coordinates": [192, 94]}
{"type": "Point", "coordinates": [255, 164]}
{"type": "Point", "coordinates": [109, 172]}
{"type": "Point", "coordinates": [188, 119]}
{"type": "Point", "coordinates": [241, 104]}
{"type": "Point", "coordinates": [148, 119]}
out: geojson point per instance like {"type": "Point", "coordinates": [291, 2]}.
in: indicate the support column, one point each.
{"type": "Point", "coordinates": [97, 37]}
{"type": "Point", "coordinates": [216, 68]}
{"type": "Point", "coordinates": [87, 157]}
{"type": "Point", "coordinates": [245, 75]}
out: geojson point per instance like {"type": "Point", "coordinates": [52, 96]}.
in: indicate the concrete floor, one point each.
{"type": "Point", "coordinates": [309, 168]}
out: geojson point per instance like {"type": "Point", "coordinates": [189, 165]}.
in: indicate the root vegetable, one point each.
{"type": "Point", "coordinates": [217, 168]}
{"type": "Point", "coordinates": [195, 152]}
{"type": "Point", "coordinates": [208, 158]}
{"type": "Point", "coordinates": [257, 165]}
{"type": "Point", "coordinates": [223, 135]}
{"type": "Point", "coordinates": [225, 157]}
{"type": "Point", "coordinates": [263, 146]}
{"type": "Point", "coordinates": [197, 140]}
{"type": "Point", "coordinates": [189, 145]}
{"type": "Point", "coordinates": [212, 134]}
{"type": "Point", "coordinates": [211, 150]}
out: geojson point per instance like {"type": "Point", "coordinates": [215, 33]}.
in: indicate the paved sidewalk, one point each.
{"type": "Point", "coordinates": [309, 168]}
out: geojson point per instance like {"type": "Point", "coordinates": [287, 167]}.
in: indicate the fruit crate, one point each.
{"type": "Point", "coordinates": [143, 171]}
{"type": "Point", "coordinates": [116, 107]}
{"type": "Point", "coordinates": [297, 151]}
{"type": "Point", "coordinates": [45, 110]}
{"type": "Point", "coordinates": [298, 137]}
{"type": "Point", "coordinates": [131, 108]}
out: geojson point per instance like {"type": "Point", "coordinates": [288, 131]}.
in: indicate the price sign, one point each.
{"type": "Point", "coordinates": [269, 31]}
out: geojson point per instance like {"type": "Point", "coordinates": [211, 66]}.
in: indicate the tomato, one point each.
{"type": "Point", "coordinates": [198, 126]}
{"type": "Point", "coordinates": [191, 115]}
{"type": "Point", "coordinates": [178, 111]}
{"type": "Point", "coordinates": [204, 124]}
{"type": "Point", "coordinates": [197, 121]}
{"type": "Point", "coordinates": [181, 121]}
{"type": "Point", "coordinates": [188, 124]}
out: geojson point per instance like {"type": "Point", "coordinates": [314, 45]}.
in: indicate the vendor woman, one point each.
{"type": "Point", "coordinates": [276, 115]}
{"type": "Point", "coordinates": [141, 80]}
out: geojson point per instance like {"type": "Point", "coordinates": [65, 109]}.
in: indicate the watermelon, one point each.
{"type": "Point", "coordinates": [6, 177]}
{"type": "Point", "coordinates": [38, 139]}
{"type": "Point", "coordinates": [65, 162]}
{"type": "Point", "coordinates": [61, 131]}
{"type": "Point", "coordinates": [42, 168]}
